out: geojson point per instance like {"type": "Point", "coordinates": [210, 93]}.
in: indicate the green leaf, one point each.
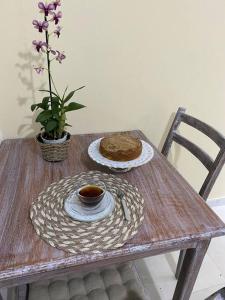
{"type": "Point", "coordinates": [80, 88]}
{"type": "Point", "coordinates": [44, 116]}
{"type": "Point", "coordinates": [73, 106]}
{"type": "Point", "coordinates": [49, 92]}
{"type": "Point", "coordinates": [45, 102]}
{"type": "Point", "coordinates": [66, 124]}
{"type": "Point", "coordinates": [33, 107]}
{"type": "Point", "coordinates": [70, 95]}
{"type": "Point", "coordinates": [56, 100]}
{"type": "Point", "coordinates": [55, 107]}
{"type": "Point", "coordinates": [64, 93]}
{"type": "Point", "coordinates": [51, 125]}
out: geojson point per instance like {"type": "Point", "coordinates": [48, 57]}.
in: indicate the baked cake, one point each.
{"type": "Point", "coordinates": [120, 147]}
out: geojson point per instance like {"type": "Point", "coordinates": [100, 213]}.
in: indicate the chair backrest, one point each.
{"type": "Point", "coordinates": [213, 166]}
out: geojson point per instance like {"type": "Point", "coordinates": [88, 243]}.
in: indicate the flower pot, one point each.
{"type": "Point", "coordinates": [57, 151]}
{"type": "Point", "coordinates": [58, 141]}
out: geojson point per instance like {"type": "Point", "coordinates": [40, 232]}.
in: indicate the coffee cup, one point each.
{"type": "Point", "coordinates": [91, 193]}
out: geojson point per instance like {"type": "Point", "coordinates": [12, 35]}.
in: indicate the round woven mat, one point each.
{"type": "Point", "coordinates": [52, 223]}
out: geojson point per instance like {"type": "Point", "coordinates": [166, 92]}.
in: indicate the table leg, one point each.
{"type": "Point", "coordinates": [189, 270]}
{"type": "Point", "coordinates": [180, 262]}
{"type": "Point", "coordinates": [22, 292]}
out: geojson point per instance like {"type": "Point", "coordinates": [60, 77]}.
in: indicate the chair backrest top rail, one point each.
{"type": "Point", "coordinates": [209, 131]}
{"type": "Point", "coordinates": [205, 159]}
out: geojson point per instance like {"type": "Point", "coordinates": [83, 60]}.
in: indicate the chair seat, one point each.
{"type": "Point", "coordinates": [111, 283]}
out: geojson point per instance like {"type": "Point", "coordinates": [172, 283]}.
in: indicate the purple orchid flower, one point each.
{"type": "Point", "coordinates": [39, 45]}
{"type": "Point", "coordinates": [46, 8]}
{"type": "Point", "coordinates": [56, 17]}
{"type": "Point", "coordinates": [60, 56]}
{"type": "Point", "coordinates": [56, 3]}
{"type": "Point", "coordinates": [39, 69]}
{"type": "Point", "coordinates": [57, 32]}
{"type": "Point", "coordinates": [51, 50]}
{"type": "Point", "coordinates": [40, 25]}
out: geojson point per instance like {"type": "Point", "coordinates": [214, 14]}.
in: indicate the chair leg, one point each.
{"type": "Point", "coordinates": [22, 292]}
{"type": "Point", "coordinates": [180, 262]}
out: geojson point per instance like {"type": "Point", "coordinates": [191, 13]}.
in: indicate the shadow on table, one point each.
{"type": "Point", "coordinates": [92, 165]}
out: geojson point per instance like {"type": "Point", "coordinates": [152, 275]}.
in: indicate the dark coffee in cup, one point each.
{"type": "Point", "coordinates": [91, 191]}
{"type": "Point", "coordinates": [91, 194]}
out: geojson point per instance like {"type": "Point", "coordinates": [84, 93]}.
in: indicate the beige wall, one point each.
{"type": "Point", "coordinates": [140, 60]}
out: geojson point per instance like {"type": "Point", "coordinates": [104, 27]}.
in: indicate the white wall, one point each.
{"type": "Point", "coordinates": [140, 60]}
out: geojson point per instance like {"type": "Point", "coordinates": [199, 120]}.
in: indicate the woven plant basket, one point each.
{"type": "Point", "coordinates": [54, 152]}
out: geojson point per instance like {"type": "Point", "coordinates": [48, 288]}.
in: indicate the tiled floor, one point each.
{"type": "Point", "coordinates": [158, 271]}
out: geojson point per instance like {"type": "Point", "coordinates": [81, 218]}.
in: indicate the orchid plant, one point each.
{"type": "Point", "coordinates": [53, 106]}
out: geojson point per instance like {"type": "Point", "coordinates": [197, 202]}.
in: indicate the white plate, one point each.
{"type": "Point", "coordinates": [81, 212]}
{"type": "Point", "coordinates": [146, 155]}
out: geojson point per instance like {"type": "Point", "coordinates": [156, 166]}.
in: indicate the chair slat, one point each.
{"type": "Point", "coordinates": [213, 174]}
{"type": "Point", "coordinates": [212, 133]}
{"type": "Point", "coordinates": [205, 159]}
{"type": "Point", "coordinates": [173, 128]}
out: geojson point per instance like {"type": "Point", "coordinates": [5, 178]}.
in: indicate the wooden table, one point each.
{"type": "Point", "coordinates": [176, 217]}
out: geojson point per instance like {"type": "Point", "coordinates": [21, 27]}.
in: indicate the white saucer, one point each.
{"type": "Point", "coordinates": [146, 155]}
{"type": "Point", "coordinates": [81, 212]}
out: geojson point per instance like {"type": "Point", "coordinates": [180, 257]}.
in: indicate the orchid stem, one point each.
{"type": "Point", "coordinates": [54, 85]}
{"type": "Point", "coordinates": [49, 64]}
{"type": "Point", "coordinates": [49, 71]}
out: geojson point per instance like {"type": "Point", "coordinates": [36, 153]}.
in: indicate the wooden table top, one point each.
{"type": "Point", "coordinates": [175, 215]}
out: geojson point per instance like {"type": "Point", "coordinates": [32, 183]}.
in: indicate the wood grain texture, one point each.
{"type": "Point", "coordinates": [176, 217]}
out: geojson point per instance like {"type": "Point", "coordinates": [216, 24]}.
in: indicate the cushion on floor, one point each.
{"type": "Point", "coordinates": [112, 283]}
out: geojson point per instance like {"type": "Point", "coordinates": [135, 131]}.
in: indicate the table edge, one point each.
{"type": "Point", "coordinates": [131, 252]}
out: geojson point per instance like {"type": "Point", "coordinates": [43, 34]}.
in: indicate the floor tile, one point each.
{"type": "Point", "coordinates": [220, 211]}
{"type": "Point", "coordinates": [217, 253]}
{"type": "Point", "coordinates": [158, 275]}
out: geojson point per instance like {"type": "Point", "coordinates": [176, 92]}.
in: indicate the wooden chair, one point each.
{"type": "Point", "coordinates": [213, 166]}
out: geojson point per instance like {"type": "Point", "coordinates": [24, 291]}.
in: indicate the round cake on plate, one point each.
{"type": "Point", "coordinates": [120, 147]}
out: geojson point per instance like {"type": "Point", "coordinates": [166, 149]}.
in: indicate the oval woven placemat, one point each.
{"type": "Point", "coordinates": [52, 223]}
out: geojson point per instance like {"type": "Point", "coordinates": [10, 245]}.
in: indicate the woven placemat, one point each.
{"type": "Point", "coordinates": [52, 223]}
